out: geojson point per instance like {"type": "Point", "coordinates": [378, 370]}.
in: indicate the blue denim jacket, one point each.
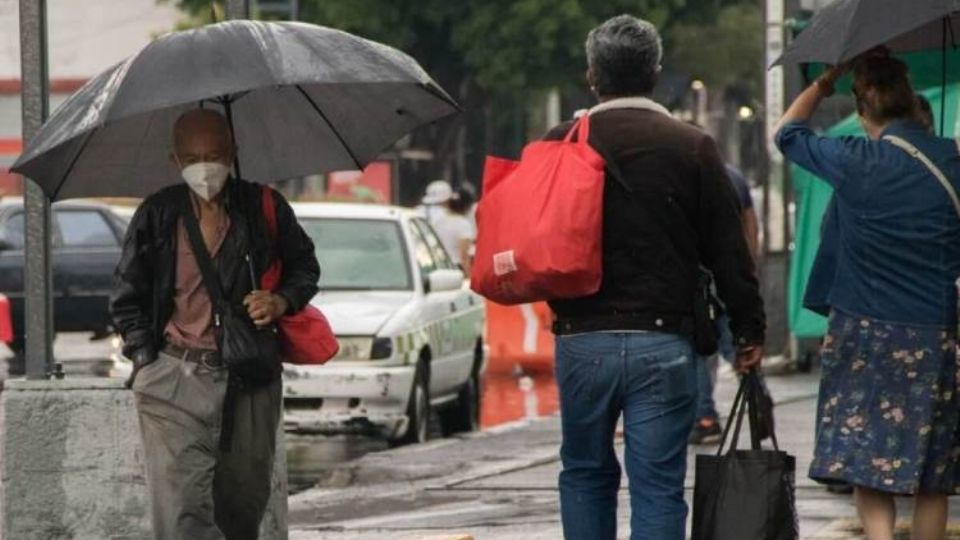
{"type": "Point", "coordinates": [894, 236]}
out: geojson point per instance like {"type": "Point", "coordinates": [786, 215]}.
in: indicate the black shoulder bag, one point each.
{"type": "Point", "coordinates": [249, 352]}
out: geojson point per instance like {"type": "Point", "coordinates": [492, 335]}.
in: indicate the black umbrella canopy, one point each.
{"type": "Point", "coordinates": [304, 99]}
{"type": "Point", "coordinates": [846, 28]}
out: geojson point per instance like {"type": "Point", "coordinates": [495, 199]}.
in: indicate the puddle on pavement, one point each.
{"type": "Point", "coordinates": [315, 459]}
{"type": "Point", "coordinates": [508, 396]}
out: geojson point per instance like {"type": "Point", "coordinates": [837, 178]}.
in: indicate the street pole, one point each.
{"type": "Point", "coordinates": [238, 9]}
{"type": "Point", "coordinates": [38, 281]}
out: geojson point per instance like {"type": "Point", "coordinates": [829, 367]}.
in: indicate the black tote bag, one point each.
{"type": "Point", "coordinates": [745, 494]}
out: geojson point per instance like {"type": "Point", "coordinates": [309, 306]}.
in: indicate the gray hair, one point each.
{"type": "Point", "coordinates": [624, 56]}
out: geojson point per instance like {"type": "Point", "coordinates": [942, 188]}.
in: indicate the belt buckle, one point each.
{"type": "Point", "coordinates": [210, 360]}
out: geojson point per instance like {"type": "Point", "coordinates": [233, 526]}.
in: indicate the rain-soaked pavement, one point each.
{"type": "Point", "coordinates": [509, 395]}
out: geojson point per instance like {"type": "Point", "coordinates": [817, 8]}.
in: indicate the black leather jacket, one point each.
{"type": "Point", "coordinates": [142, 302]}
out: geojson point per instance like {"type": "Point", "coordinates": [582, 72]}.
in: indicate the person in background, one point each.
{"type": "Point", "coordinates": [889, 407]}
{"type": "Point", "coordinates": [456, 231]}
{"type": "Point", "coordinates": [434, 202]}
{"type": "Point", "coordinates": [707, 428]}
{"type": "Point", "coordinates": [627, 349]}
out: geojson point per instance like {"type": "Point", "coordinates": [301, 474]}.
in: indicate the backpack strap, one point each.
{"type": "Point", "coordinates": [931, 166]}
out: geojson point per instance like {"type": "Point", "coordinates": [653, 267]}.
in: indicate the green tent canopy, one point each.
{"type": "Point", "coordinates": [812, 196]}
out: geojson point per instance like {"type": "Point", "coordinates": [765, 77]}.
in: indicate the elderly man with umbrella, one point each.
{"type": "Point", "coordinates": [268, 99]}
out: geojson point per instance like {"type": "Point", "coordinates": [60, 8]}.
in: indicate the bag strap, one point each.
{"type": "Point", "coordinates": [202, 256]}
{"type": "Point", "coordinates": [922, 158]}
{"type": "Point", "coordinates": [582, 128]}
{"type": "Point", "coordinates": [269, 211]}
{"type": "Point", "coordinates": [736, 417]}
{"type": "Point", "coordinates": [758, 393]}
{"type": "Point", "coordinates": [747, 402]}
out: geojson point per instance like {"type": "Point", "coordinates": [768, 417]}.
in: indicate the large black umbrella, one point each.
{"type": "Point", "coordinates": [302, 99]}
{"type": "Point", "coordinates": [844, 29]}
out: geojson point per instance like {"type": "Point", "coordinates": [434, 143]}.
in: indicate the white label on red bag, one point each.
{"type": "Point", "coordinates": [504, 263]}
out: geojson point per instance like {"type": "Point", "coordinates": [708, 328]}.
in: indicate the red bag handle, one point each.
{"type": "Point", "coordinates": [581, 128]}
{"type": "Point", "coordinates": [269, 211]}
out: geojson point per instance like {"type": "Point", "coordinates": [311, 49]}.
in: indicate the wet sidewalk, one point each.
{"type": "Point", "coordinates": [500, 484]}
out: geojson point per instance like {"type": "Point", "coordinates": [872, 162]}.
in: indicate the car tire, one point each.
{"type": "Point", "coordinates": [418, 410]}
{"type": "Point", "coordinates": [464, 415]}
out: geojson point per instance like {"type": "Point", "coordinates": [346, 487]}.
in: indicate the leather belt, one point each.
{"type": "Point", "coordinates": [207, 358]}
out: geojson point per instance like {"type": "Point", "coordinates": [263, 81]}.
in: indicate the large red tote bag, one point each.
{"type": "Point", "coordinates": [540, 222]}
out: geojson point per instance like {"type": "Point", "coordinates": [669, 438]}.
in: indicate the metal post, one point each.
{"type": "Point", "coordinates": [38, 282]}
{"type": "Point", "coordinates": [238, 9]}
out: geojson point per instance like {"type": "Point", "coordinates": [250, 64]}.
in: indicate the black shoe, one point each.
{"type": "Point", "coordinates": [706, 431]}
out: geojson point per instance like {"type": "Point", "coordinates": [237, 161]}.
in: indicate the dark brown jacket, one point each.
{"type": "Point", "coordinates": [669, 209]}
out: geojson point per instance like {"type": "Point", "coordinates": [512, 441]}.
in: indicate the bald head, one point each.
{"type": "Point", "coordinates": [201, 135]}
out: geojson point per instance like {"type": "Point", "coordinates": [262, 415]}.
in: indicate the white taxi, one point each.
{"type": "Point", "coordinates": [410, 331]}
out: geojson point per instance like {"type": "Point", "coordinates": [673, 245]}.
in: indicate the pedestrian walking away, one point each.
{"type": "Point", "coordinates": [889, 407]}
{"type": "Point", "coordinates": [669, 209]}
{"type": "Point", "coordinates": [209, 432]}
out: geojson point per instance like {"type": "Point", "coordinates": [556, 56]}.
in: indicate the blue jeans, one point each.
{"type": "Point", "coordinates": [651, 379]}
{"type": "Point", "coordinates": [707, 370]}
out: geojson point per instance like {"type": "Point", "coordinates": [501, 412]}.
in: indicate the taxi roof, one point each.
{"type": "Point", "coordinates": [350, 211]}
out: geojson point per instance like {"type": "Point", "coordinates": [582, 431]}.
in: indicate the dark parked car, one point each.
{"type": "Point", "coordinates": [85, 245]}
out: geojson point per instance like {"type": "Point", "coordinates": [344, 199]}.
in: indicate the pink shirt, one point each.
{"type": "Point", "coordinates": [191, 325]}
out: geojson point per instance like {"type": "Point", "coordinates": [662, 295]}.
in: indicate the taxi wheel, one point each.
{"type": "Point", "coordinates": [418, 410]}
{"type": "Point", "coordinates": [464, 415]}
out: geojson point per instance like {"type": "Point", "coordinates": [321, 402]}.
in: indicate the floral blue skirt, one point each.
{"type": "Point", "coordinates": [888, 412]}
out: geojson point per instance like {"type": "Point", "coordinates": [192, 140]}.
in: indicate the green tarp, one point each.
{"type": "Point", "coordinates": [812, 196]}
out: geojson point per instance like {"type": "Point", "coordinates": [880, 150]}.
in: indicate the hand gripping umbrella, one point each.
{"type": "Point", "coordinates": [301, 99]}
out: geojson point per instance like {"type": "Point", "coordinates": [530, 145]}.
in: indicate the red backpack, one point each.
{"type": "Point", "coordinates": [305, 336]}
{"type": "Point", "coordinates": [540, 223]}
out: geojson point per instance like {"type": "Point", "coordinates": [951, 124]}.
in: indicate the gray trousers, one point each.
{"type": "Point", "coordinates": [196, 491]}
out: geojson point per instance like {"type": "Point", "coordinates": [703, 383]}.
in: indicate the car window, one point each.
{"type": "Point", "coordinates": [359, 254]}
{"type": "Point", "coordinates": [14, 232]}
{"type": "Point", "coordinates": [440, 254]}
{"type": "Point", "coordinates": [421, 251]}
{"type": "Point", "coordinates": [84, 228]}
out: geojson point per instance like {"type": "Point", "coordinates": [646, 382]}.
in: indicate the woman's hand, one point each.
{"type": "Point", "coordinates": [265, 307]}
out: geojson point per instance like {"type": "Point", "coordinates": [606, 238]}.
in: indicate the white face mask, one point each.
{"type": "Point", "coordinates": [206, 179]}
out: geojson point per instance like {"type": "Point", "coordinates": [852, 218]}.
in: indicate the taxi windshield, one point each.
{"type": "Point", "coordinates": [359, 254]}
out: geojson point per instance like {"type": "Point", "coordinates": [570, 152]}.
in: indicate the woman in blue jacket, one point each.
{"type": "Point", "coordinates": [889, 406]}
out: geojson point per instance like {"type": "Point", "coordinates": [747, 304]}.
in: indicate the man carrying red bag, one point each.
{"type": "Point", "coordinates": [628, 348]}
{"type": "Point", "coordinates": [199, 326]}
